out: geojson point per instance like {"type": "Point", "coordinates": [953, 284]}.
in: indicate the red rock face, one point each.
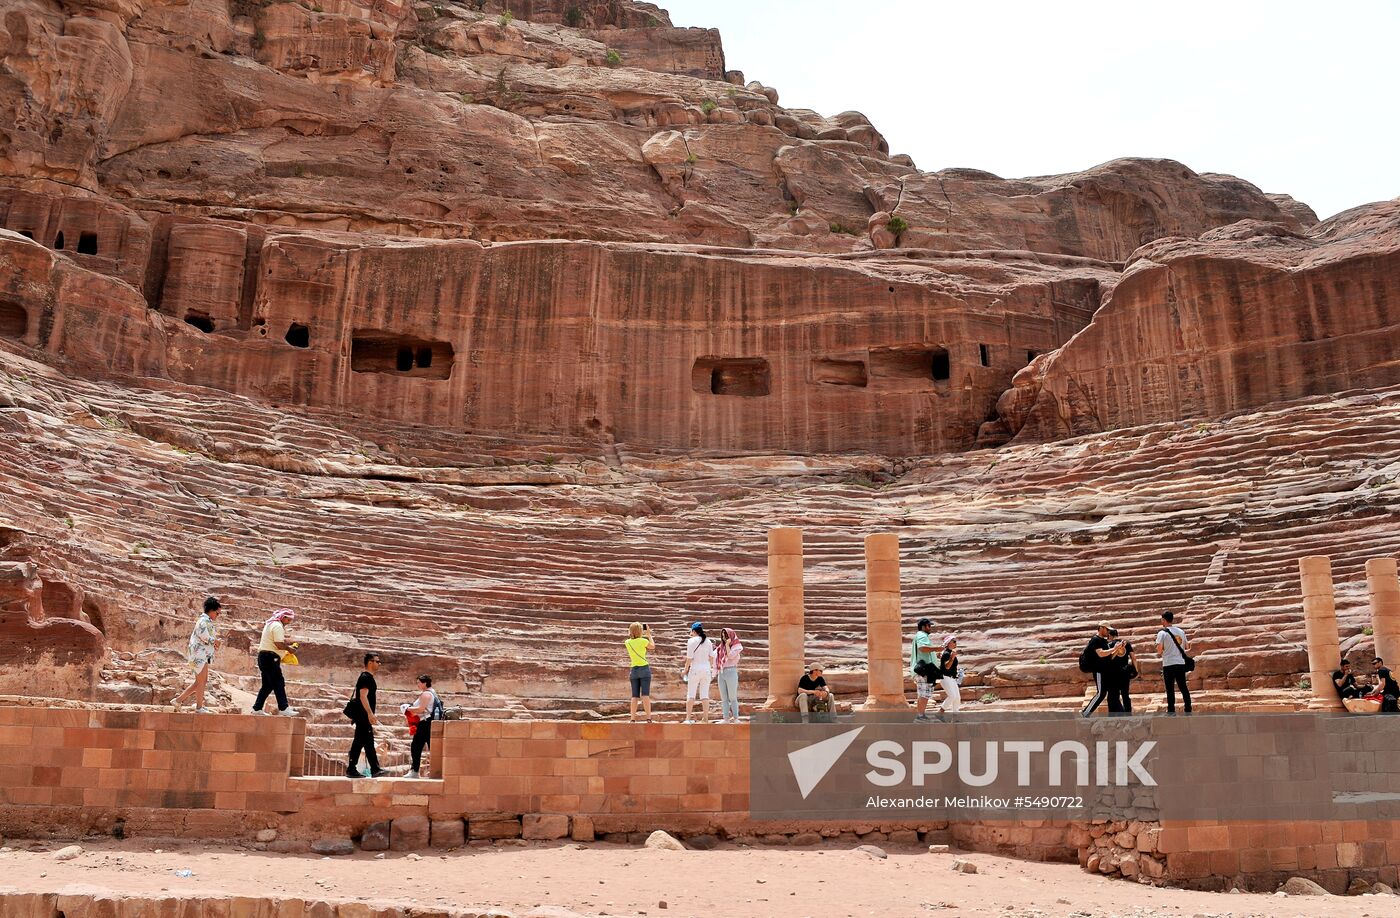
{"type": "Point", "coordinates": [55, 653]}
{"type": "Point", "coordinates": [464, 328]}
{"type": "Point", "coordinates": [1242, 317]}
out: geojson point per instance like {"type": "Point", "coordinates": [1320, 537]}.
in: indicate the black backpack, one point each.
{"type": "Point", "coordinates": [929, 670]}
{"type": "Point", "coordinates": [1088, 660]}
{"type": "Point", "coordinates": [438, 712]}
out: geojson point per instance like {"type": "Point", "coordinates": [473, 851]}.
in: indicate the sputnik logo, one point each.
{"type": "Point", "coordinates": [811, 763]}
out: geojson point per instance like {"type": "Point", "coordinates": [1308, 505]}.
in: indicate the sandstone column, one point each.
{"type": "Point", "coordinates": [883, 641]}
{"type": "Point", "coordinates": [1384, 585]}
{"type": "Point", "coordinates": [1320, 622]}
{"type": "Point", "coordinates": [786, 626]}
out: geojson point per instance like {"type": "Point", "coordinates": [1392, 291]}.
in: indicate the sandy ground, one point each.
{"type": "Point", "coordinates": [601, 879]}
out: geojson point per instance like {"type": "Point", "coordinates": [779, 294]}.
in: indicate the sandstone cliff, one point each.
{"type": "Point", "coordinates": [1244, 315]}
{"type": "Point", "coordinates": [455, 326]}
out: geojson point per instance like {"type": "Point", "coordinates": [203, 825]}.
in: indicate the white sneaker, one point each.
{"type": "Point", "coordinates": [413, 773]}
{"type": "Point", "coordinates": [290, 712]}
{"type": "Point", "coordinates": [201, 710]}
{"type": "Point", "coordinates": [268, 711]}
{"type": "Point", "coordinates": [687, 721]}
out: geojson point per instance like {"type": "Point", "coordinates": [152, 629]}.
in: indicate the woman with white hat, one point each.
{"type": "Point", "coordinates": [948, 663]}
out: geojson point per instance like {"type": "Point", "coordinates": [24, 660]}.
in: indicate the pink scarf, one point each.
{"type": "Point", "coordinates": [727, 639]}
{"type": "Point", "coordinates": [281, 615]}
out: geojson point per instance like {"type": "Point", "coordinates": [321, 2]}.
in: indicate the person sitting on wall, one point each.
{"type": "Point", "coordinates": [1345, 681]}
{"type": "Point", "coordinates": [1377, 664]}
{"type": "Point", "coordinates": [812, 694]}
{"type": "Point", "coordinates": [1389, 692]}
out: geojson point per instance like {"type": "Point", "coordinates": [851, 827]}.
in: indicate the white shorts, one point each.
{"type": "Point", "coordinates": [697, 684]}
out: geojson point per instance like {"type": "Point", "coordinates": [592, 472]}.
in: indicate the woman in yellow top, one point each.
{"type": "Point", "coordinates": [638, 644]}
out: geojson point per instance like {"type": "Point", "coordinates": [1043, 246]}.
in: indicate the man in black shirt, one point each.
{"type": "Point", "coordinates": [1390, 692]}
{"type": "Point", "coordinates": [1345, 681]}
{"type": "Point", "coordinates": [1099, 656]}
{"type": "Point", "coordinates": [813, 695]}
{"type": "Point", "coordinates": [360, 710]}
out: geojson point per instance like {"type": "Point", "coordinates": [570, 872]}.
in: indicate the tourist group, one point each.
{"type": "Point", "coordinates": [933, 663]}
{"type": "Point", "coordinates": [274, 650]}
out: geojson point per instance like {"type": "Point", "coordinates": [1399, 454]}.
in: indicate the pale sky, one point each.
{"type": "Point", "coordinates": [1297, 97]}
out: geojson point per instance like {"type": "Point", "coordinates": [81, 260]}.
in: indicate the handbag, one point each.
{"type": "Point", "coordinates": [1186, 658]}
{"type": "Point", "coordinates": [928, 670]}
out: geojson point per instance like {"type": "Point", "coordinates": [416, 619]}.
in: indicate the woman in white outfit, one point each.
{"type": "Point", "coordinates": [698, 671]}
{"type": "Point", "coordinates": [948, 662]}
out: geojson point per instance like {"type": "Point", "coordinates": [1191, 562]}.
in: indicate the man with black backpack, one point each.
{"type": "Point", "coordinates": [923, 664]}
{"type": "Point", "coordinates": [1097, 657]}
{"type": "Point", "coordinates": [1176, 662]}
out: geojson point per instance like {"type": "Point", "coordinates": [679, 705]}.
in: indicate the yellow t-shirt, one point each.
{"type": "Point", "coordinates": [272, 632]}
{"type": "Point", "coordinates": [637, 650]}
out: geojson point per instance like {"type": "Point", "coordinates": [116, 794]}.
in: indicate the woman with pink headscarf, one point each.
{"type": "Point", "coordinates": [727, 661]}
{"type": "Point", "coordinates": [270, 650]}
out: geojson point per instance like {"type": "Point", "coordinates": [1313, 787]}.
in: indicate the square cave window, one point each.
{"type": "Point", "coordinates": [298, 335]}
{"type": "Point", "coordinates": [911, 362]}
{"type": "Point", "coordinates": [87, 243]}
{"type": "Point", "coordinates": [399, 355]}
{"type": "Point", "coordinates": [833, 372]}
{"type": "Point", "coordinates": [984, 355]}
{"type": "Point", "coordinates": [747, 376]}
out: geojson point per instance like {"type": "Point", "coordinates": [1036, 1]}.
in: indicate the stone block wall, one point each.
{"type": "Point", "coordinates": [85, 770]}
{"type": "Point", "coordinates": [69, 771]}
{"type": "Point", "coordinates": [1253, 856]}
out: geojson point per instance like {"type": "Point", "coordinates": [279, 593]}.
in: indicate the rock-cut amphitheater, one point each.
{"type": "Point", "coordinates": [475, 334]}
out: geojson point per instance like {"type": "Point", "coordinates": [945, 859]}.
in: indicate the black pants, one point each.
{"type": "Point", "coordinates": [363, 742]}
{"type": "Point", "coordinates": [1118, 692]}
{"type": "Point", "coordinates": [421, 737]}
{"type": "Point", "coordinates": [270, 665]}
{"type": "Point", "coordinates": [1388, 705]}
{"type": "Point", "coordinates": [1104, 687]}
{"type": "Point", "coordinates": [1175, 676]}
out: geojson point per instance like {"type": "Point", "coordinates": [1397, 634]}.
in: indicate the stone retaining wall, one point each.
{"type": "Point", "coordinates": [71, 772]}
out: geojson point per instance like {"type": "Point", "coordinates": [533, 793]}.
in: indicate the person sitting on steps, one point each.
{"type": "Point", "coordinates": [813, 697]}
{"type": "Point", "coordinates": [1344, 680]}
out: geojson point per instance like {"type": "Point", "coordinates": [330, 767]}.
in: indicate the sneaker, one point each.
{"type": "Point", "coordinates": [263, 711]}
{"type": "Point", "coordinates": [290, 712]}
{"type": "Point", "coordinates": [413, 773]}
{"type": "Point", "coordinates": [352, 773]}
{"type": "Point", "coordinates": [175, 702]}
{"type": "Point", "coordinates": [687, 721]}
{"type": "Point", "coordinates": [201, 711]}
{"type": "Point", "coordinates": [381, 773]}
{"type": "Point", "coordinates": [922, 719]}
